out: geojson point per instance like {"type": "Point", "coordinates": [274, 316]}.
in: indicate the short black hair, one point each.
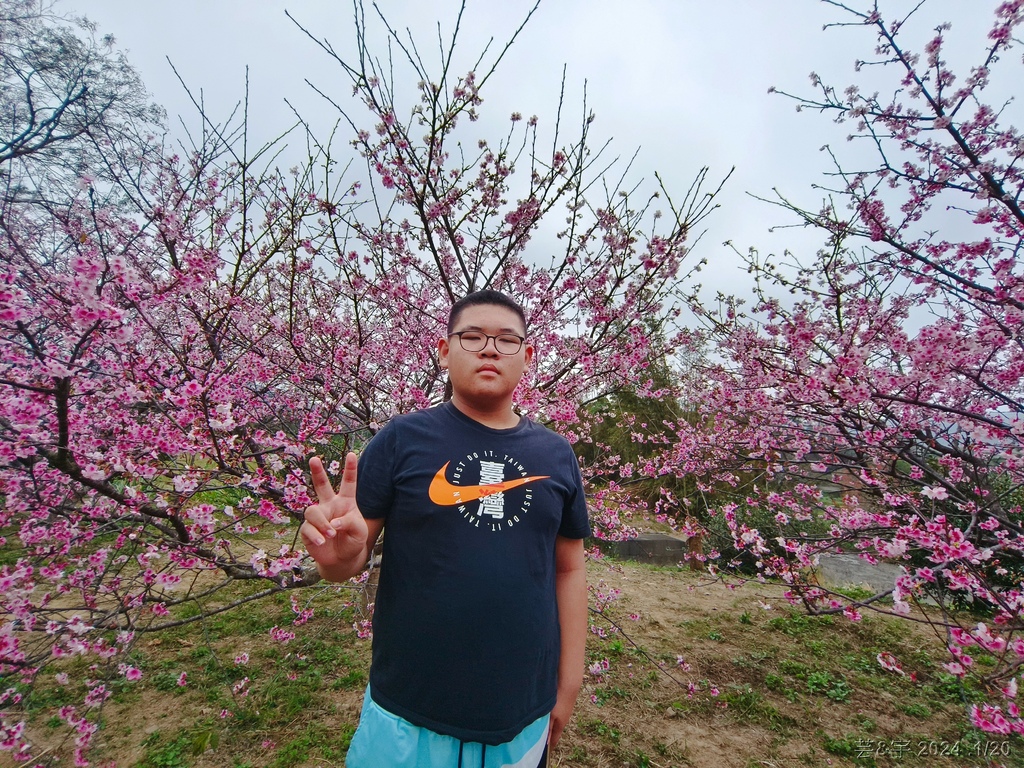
{"type": "Point", "coordinates": [486, 296]}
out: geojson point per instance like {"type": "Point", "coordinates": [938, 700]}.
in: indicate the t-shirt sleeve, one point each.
{"type": "Point", "coordinates": [575, 519]}
{"type": "Point", "coordinates": [375, 485]}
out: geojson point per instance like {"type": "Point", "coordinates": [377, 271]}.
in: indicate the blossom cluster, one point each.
{"type": "Point", "coordinates": [868, 400]}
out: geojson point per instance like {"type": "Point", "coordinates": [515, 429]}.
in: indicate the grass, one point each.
{"type": "Point", "coordinates": [249, 700]}
{"type": "Point", "coordinates": [166, 754]}
{"type": "Point", "coordinates": [691, 673]}
{"type": "Point", "coordinates": [766, 687]}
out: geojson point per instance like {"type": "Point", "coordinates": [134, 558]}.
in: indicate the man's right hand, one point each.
{"type": "Point", "coordinates": [335, 532]}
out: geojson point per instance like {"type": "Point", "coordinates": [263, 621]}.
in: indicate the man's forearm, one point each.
{"type": "Point", "coordinates": [571, 594]}
{"type": "Point", "coordinates": [571, 591]}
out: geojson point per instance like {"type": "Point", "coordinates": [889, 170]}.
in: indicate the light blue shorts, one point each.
{"type": "Point", "coordinates": [384, 740]}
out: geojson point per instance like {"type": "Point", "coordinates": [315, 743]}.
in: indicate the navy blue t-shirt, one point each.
{"type": "Point", "coordinates": [466, 638]}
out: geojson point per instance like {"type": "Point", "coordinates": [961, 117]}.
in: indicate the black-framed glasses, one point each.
{"type": "Point", "coordinates": [475, 341]}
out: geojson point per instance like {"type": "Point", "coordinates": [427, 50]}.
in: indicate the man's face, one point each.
{"type": "Point", "coordinates": [487, 377]}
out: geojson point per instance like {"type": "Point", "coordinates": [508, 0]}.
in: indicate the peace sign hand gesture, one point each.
{"type": "Point", "coordinates": [335, 532]}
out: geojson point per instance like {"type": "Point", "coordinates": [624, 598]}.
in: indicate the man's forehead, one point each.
{"type": "Point", "coordinates": [479, 317]}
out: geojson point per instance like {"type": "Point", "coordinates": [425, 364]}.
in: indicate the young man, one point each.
{"type": "Point", "coordinates": [481, 614]}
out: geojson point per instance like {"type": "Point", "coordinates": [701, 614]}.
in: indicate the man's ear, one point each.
{"type": "Point", "coordinates": [529, 354]}
{"type": "Point", "coordinates": [442, 353]}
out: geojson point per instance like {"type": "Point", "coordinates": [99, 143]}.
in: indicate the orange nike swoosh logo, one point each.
{"type": "Point", "coordinates": [446, 494]}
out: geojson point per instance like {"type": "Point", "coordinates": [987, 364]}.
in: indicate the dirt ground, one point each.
{"type": "Point", "coordinates": [727, 634]}
{"type": "Point", "coordinates": [686, 671]}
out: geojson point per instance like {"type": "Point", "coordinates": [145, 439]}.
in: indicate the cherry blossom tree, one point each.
{"type": "Point", "coordinates": [181, 329]}
{"type": "Point", "coordinates": [869, 399]}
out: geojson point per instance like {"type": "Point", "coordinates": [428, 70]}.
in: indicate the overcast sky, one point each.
{"type": "Point", "coordinates": [685, 81]}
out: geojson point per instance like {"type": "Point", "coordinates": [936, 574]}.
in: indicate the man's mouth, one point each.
{"type": "Point", "coordinates": [484, 368]}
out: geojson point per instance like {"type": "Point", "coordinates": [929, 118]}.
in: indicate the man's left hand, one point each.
{"type": "Point", "coordinates": [560, 715]}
